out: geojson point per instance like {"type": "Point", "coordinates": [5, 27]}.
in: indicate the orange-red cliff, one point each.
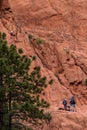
{"type": "Point", "coordinates": [62, 24]}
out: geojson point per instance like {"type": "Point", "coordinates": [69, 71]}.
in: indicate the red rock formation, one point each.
{"type": "Point", "coordinates": [62, 24]}
{"type": "Point", "coordinates": [4, 4]}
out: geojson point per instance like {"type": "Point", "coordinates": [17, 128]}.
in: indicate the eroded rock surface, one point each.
{"type": "Point", "coordinates": [62, 25]}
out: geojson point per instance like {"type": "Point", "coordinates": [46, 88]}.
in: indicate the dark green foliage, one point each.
{"type": "Point", "coordinates": [86, 82]}
{"type": "Point", "coordinates": [20, 88]}
{"type": "Point", "coordinates": [51, 81]}
{"type": "Point", "coordinates": [20, 51]}
{"type": "Point", "coordinates": [2, 35]}
{"type": "Point", "coordinates": [33, 57]}
{"type": "Point", "coordinates": [39, 41]}
{"type": "Point", "coordinates": [30, 36]}
{"type": "Point", "coordinates": [48, 117]}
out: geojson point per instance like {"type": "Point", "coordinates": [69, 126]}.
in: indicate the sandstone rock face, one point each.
{"type": "Point", "coordinates": [4, 4]}
{"type": "Point", "coordinates": [68, 121]}
{"type": "Point", "coordinates": [62, 24]}
{"type": "Point", "coordinates": [66, 19]}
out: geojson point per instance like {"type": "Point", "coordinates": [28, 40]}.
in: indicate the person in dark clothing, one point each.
{"type": "Point", "coordinates": [65, 104]}
{"type": "Point", "coordinates": [72, 102]}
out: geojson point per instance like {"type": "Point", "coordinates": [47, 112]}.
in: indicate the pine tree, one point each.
{"type": "Point", "coordinates": [20, 88]}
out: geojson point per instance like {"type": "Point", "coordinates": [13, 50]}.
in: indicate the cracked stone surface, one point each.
{"type": "Point", "coordinates": [62, 24]}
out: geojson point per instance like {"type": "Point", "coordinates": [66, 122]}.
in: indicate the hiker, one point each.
{"type": "Point", "coordinates": [72, 103]}
{"type": "Point", "coordinates": [65, 104]}
{"type": "Point", "coordinates": [12, 33]}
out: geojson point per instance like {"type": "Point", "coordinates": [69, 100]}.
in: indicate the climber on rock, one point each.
{"type": "Point", "coordinates": [65, 104]}
{"type": "Point", "coordinates": [12, 33]}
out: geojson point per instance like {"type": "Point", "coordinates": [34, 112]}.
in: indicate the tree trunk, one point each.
{"type": "Point", "coordinates": [1, 105]}
{"type": "Point", "coordinates": [1, 115]}
{"type": "Point", "coordinates": [10, 118]}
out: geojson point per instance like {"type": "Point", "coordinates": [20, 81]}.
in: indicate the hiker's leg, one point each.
{"type": "Point", "coordinates": [74, 107]}
{"type": "Point", "coordinates": [65, 107]}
